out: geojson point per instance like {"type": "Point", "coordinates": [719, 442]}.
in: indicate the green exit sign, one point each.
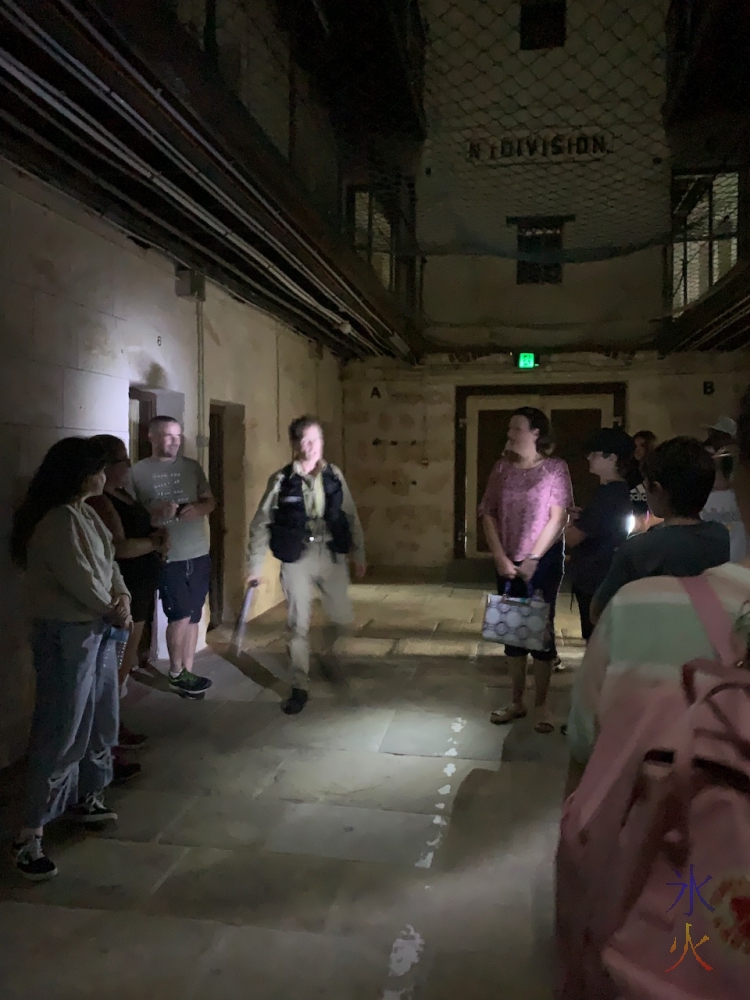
{"type": "Point", "coordinates": [526, 360]}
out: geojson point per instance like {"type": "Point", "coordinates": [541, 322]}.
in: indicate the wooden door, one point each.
{"type": "Point", "coordinates": [574, 419]}
{"type": "Point", "coordinates": [572, 429]}
{"type": "Point", "coordinates": [216, 519]}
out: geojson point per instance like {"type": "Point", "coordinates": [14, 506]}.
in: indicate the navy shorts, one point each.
{"type": "Point", "coordinates": [183, 588]}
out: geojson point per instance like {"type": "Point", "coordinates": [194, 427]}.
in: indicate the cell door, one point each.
{"type": "Point", "coordinates": [574, 419]}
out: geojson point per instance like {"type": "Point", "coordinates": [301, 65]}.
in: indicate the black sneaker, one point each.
{"type": "Point", "coordinates": [122, 772]}
{"type": "Point", "coordinates": [295, 702]}
{"type": "Point", "coordinates": [189, 685]}
{"type": "Point", "coordinates": [91, 811]}
{"type": "Point", "coordinates": [32, 862]}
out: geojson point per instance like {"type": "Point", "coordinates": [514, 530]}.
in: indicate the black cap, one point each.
{"type": "Point", "coordinates": [611, 441]}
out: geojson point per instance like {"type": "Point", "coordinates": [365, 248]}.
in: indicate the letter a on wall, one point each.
{"type": "Point", "coordinates": [375, 394]}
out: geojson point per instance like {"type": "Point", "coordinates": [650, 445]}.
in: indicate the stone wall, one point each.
{"type": "Point", "coordinates": [475, 300]}
{"type": "Point", "coordinates": [400, 436]}
{"type": "Point", "coordinates": [84, 316]}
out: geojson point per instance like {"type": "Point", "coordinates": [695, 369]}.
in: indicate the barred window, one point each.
{"type": "Point", "coordinates": [538, 238]}
{"type": "Point", "coordinates": [542, 24]}
{"type": "Point", "coordinates": [705, 220]}
{"type": "Point", "coordinates": [372, 232]}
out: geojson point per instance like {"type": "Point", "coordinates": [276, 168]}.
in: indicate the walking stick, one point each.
{"type": "Point", "coordinates": [239, 628]}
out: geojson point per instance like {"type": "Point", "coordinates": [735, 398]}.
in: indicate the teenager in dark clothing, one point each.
{"type": "Point", "coordinates": [678, 476]}
{"type": "Point", "coordinates": [644, 443]}
{"type": "Point", "coordinates": [604, 524]}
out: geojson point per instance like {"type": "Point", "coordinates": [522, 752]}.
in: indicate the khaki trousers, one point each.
{"type": "Point", "coordinates": [320, 570]}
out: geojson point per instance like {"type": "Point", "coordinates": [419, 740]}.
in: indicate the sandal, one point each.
{"type": "Point", "coordinates": [508, 714]}
{"type": "Point", "coordinates": [543, 724]}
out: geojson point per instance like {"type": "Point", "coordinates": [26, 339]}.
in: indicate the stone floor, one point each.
{"type": "Point", "coordinates": [387, 844]}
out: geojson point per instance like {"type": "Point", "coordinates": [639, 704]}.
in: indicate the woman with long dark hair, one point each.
{"type": "Point", "coordinates": [77, 599]}
{"type": "Point", "coordinates": [644, 443]}
{"type": "Point", "coordinates": [524, 512]}
{"type": "Point", "coordinates": [139, 546]}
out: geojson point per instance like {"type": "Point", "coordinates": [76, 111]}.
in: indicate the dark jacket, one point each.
{"type": "Point", "coordinates": [290, 529]}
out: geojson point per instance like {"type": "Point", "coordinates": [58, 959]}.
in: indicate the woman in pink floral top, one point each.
{"type": "Point", "coordinates": [524, 513]}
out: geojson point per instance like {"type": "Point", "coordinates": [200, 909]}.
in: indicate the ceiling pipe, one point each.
{"type": "Point", "coordinates": [91, 127]}
{"type": "Point", "coordinates": [158, 98]}
{"type": "Point", "coordinates": [264, 293]}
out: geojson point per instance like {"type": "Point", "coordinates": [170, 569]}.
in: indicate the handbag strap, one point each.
{"type": "Point", "coordinates": [714, 618]}
{"type": "Point", "coordinates": [530, 589]}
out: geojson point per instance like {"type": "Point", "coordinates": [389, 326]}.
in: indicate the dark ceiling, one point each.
{"type": "Point", "coordinates": [113, 103]}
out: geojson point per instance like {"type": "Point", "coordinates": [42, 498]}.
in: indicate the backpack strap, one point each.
{"type": "Point", "coordinates": [713, 617]}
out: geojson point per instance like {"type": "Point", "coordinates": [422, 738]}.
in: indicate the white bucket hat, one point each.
{"type": "Point", "coordinates": [724, 424]}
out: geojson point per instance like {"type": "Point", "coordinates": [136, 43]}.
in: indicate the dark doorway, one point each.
{"type": "Point", "coordinates": [142, 409]}
{"type": "Point", "coordinates": [227, 524]}
{"type": "Point", "coordinates": [216, 521]}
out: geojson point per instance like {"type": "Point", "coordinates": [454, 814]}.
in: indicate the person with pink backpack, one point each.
{"type": "Point", "coordinates": [653, 864]}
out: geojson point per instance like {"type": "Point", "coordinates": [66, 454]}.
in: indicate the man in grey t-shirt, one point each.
{"type": "Point", "coordinates": [176, 492]}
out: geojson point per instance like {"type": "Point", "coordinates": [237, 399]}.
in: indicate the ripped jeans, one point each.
{"type": "Point", "coordinates": [76, 717]}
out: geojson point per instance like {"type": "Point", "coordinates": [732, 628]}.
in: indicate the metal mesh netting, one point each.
{"type": "Point", "coordinates": [571, 130]}
{"type": "Point", "coordinates": [543, 117]}
{"type": "Point", "coordinates": [705, 234]}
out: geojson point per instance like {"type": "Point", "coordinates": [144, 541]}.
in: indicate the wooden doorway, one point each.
{"type": "Point", "coordinates": [573, 425]}
{"type": "Point", "coordinates": [216, 525]}
{"type": "Point", "coordinates": [482, 433]}
{"type": "Point", "coordinates": [227, 523]}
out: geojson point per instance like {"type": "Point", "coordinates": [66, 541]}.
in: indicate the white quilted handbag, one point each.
{"type": "Point", "coordinates": [518, 621]}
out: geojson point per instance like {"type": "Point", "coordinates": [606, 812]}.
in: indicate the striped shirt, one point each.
{"type": "Point", "coordinates": [648, 630]}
